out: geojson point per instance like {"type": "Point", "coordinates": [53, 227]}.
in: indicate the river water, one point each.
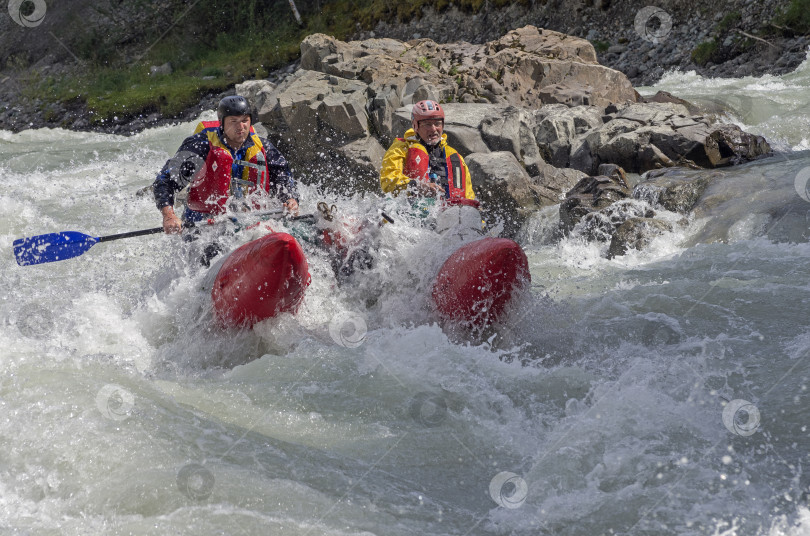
{"type": "Point", "coordinates": [663, 392]}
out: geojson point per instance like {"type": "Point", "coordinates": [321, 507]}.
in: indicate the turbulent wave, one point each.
{"type": "Point", "coordinates": [613, 401]}
{"type": "Point", "coordinates": [776, 107]}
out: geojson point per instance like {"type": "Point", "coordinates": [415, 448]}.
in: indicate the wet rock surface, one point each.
{"type": "Point", "coordinates": [636, 233]}
{"type": "Point", "coordinates": [335, 115]}
{"type": "Point", "coordinates": [538, 119]}
{"type": "Point", "coordinates": [642, 39]}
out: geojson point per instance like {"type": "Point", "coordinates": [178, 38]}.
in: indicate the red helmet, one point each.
{"type": "Point", "coordinates": [426, 109]}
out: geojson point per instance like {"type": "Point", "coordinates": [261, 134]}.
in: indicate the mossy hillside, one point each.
{"type": "Point", "coordinates": [704, 52]}
{"type": "Point", "coordinates": [205, 58]}
{"type": "Point", "coordinates": [712, 50]}
{"type": "Point", "coordinates": [211, 47]}
{"type": "Point", "coordinates": [795, 18]}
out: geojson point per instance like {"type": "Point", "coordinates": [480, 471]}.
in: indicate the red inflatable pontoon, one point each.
{"type": "Point", "coordinates": [259, 280]}
{"type": "Point", "coordinates": [476, 283]}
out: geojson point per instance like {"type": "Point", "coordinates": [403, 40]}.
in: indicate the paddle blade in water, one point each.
{"type": "Point", "coordinates": [51, 247]}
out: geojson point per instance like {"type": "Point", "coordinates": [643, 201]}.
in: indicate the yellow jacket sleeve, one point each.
{"type": "Point", "coordinates": [468, 190]}
{"type": "Point", "coordinates": [392, 178]}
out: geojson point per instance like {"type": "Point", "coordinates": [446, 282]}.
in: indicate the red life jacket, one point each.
{"type": "Point", "coordinates": [210, 189]}
{"type": "Point", "coordinates": [417, 167]}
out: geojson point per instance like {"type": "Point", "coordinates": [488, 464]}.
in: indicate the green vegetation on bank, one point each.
{"type": "Point", "coordinates": [704, 52]}
{"type": "Point", "coordinates": [728, 22]}
{"type": "Point", "coordinates": [795, 17]}
{"type": "Point", "coordinates": [600, 46]}
{"type": "Point", "coordinates": [215, 46]}
{"type": "Point", "coordinates": [210, 47]}
{"type": "Point", "coordinates": [711, 50]}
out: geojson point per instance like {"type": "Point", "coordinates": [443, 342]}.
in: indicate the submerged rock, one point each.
{"type": "Point", "coordinates": [592, 194]}
{"type": "Point", "coordinates": [636, 233]}
{"type": "Point", "coordinates": [601, 225]}
{"type": "Point", "coordinates": [673, 189]}
{"type": "Point", "coordinates": [504, 187]}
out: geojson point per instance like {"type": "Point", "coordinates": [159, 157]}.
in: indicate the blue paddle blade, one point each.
{"type": "Point", "coordinates": [51, 247]}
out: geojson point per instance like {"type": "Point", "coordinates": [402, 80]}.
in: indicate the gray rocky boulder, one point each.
{"type": "Point", "coordinates": [665, 96]}
{"type": "Point", "coordinates": [512, 130]}
{"type": "Point", "coordinates": [673, 189]}
{"type": "Point", "coordinates": [260, 93]}
{"type": "Point", "coordinates": [636, 233]}
{"type": "Point", "coordinates": [321, 123]}
{"type": "Point", "coordinates": [592, 194]}
{"type": "Point", "coordinates": [536, 66]}
{"type": "Point", "coordinates": [557, 126]}
{"type": "Point", "coordinates": [505, 188]}
{"type": "Point", "coordinates": [646, 136]}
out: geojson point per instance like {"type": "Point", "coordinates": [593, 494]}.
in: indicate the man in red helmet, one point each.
{"type": "Point", "coordinates": [421, 163]}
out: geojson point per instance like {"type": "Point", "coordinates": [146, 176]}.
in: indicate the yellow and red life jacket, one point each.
{"type": "Point", "coordinates": [211, 188]}
{"type": "Point", "coordinates": [417, 167]}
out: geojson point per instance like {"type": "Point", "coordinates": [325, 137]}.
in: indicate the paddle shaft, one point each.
{"type": "Point", "coordinates": [156, 230]}
{"type": "Point", "coordinates": [130, 234]}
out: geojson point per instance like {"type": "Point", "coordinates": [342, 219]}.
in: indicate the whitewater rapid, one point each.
{"type": "Point", "coordinates": [663, 392]}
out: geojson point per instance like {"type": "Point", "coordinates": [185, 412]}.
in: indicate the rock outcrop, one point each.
{"type": "Point", "coordinates": [672, 189]}
{"type": "Point", "coordinates": [533, 113]}
{"type": "Point", "coordinates": [645, 136]}
{"type": "Point", "coordinates": [592, 194]}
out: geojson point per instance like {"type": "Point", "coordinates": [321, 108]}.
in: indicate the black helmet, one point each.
{"type": "Point", "coordinates": [234, 105]}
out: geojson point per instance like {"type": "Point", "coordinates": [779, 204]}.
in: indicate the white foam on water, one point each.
{"type": "Point", "coordinates": [772, 106]}
{"type": "Point", "coordinates": [113, 378]}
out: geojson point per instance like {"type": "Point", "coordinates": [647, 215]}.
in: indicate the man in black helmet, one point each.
{"type": "Point", "coordinates": [227, 166]}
